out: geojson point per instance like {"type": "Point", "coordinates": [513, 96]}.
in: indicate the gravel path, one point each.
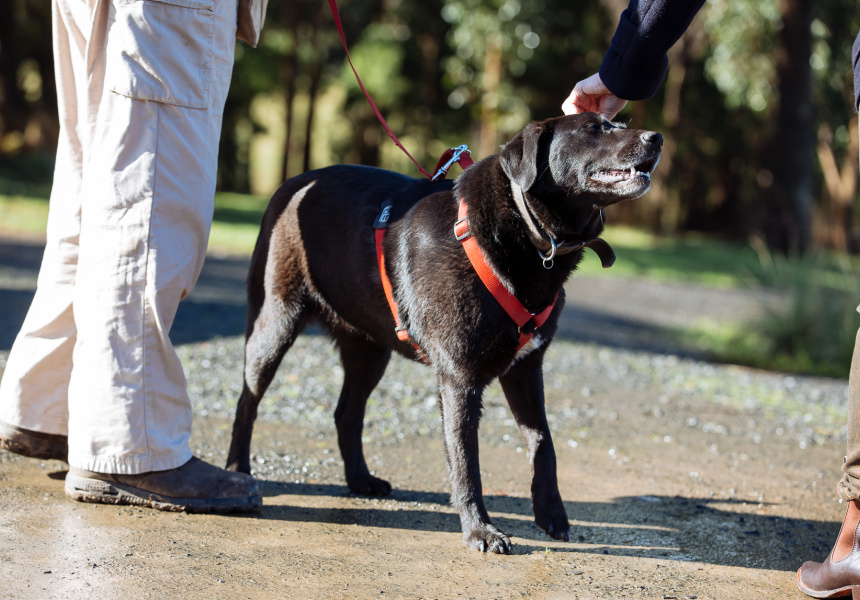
{"type": "Point", "coordinates": [682, 478]}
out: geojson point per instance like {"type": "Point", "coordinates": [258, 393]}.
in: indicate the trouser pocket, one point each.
{"type": "Point", "coordinates": [161, 50]}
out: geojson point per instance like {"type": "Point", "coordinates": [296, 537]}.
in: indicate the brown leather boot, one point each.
{"type": "Point", "coordinates": [196, 487]}
{"type": "Point", "coordinates": [33, 444]}
{"type": "Point", "coordinates": [839, 575]}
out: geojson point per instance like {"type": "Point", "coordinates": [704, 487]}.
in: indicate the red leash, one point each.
{"type": "Point", "coordinates": [459, 155]}
{"type": "Point", "coordinates": [333, 5]}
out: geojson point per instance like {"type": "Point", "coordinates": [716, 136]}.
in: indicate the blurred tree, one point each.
{"type": "Point", "coordinates": [749, 87]}
{"type": "Point", "coordinates": [400, 57]}
{"type": "Point", "coordinates": [28, 99]}
{"type": "Point", "coordinates": [840, 182]}
{"type": "Point", "coordinates": [767, 101]}
{"type": "Point", "coordinates": [491, 41]}
{"type": "Point", "coordinates": [836, 223]}
{"type": "Point", "coordinates": [788, 157]}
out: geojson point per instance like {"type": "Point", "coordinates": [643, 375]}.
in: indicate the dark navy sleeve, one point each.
{"type": "Point", "coordinates": [856, 61]}
{"type": "Point", "coordinates": [636, 62]}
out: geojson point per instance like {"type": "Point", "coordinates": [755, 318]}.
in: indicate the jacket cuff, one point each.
{"type": "Point", "coordinates": [628, 70]}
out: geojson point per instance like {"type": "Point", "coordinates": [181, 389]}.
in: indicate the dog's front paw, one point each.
{"type": "Point", "coordinates": [552, 518]}
{"type": "Point", "coordinates": [487, 538]}
{"type": "Point", "coordinates": [555, 525]}
{"type": "Point", "coordinates": [369, 486]}
{"type": "Point", "coordinates": [556, 530]}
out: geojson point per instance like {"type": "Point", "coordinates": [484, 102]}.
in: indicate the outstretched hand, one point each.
{"type": "Point", "coordinates": [591, 95]}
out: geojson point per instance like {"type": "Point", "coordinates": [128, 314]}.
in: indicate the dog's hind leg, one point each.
{"type": "Point", "coordinates": [523, 387]}
{"type": "Point", "coordinates": [275, 320]}
{"type": "Point", "coordinates": [364, 363]}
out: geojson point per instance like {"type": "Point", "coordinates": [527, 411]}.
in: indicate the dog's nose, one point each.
{"type": "Point", "coordinates": [653, 138]}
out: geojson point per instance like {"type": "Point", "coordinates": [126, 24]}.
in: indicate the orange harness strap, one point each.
{"type": "Point", "coordinates": [525, 320]}
{"type": "Point", "coordinates": [459, 155]}
{"type": "Point", "coordinates": [402, 335]}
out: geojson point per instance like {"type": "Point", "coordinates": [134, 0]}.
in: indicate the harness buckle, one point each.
{"type": "Point", "coordinates": [384, 215]}
{"type": "Point", "coordinates": [465, 230]}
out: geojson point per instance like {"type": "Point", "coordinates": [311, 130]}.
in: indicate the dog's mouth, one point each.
{"type": "Point", "coordinates": [623, 184]}
{"type": "Point", "coordinates": [613, 176]}
{"type": "Point", "coordinates": [639, 173]}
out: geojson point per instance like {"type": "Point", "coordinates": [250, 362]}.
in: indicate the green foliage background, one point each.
{"type": "Point", "coordinates": [448, 72]}
{"type": "Point", "coordinates": [431, 69]}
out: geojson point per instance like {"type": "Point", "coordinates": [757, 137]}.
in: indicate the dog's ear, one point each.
{"type": "Point", "coordinates": [519, 157]}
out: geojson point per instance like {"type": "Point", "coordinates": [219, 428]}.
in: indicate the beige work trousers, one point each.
{"type": "Point", "coordinates": [141, 87]}
{"type": "Point", "coordinates": [848, 487]}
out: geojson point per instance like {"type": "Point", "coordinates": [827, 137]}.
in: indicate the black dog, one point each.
{"type": "Point", "coordinates": [531, 210]}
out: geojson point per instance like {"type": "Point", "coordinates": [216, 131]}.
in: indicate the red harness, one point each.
{"type": "Point", "coordinates": [459, 155]}
{"type": "Point", "coordinates": [526, 322]}
{"type": "Point", "coordinates": [402, 334]}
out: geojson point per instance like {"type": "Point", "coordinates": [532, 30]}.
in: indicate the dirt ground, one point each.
{"type": "Point", "coordinates": [682, 480]}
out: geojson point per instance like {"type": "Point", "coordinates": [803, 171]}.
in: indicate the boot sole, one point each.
{"type": "Point", "coordinates": [848, 591]}
{"type": "Point", "coordinates": [33, 444]}
{"type": "Point", "coordinates": [85, 489]}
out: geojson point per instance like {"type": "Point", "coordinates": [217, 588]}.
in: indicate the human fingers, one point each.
{"type": "Point", "coordinates": [610, 106]}
{"type": "Point", "coordinates": [591, 95]}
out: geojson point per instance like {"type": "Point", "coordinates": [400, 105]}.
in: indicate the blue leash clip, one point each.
{"type": "Point", "coordinates": [457, 152]}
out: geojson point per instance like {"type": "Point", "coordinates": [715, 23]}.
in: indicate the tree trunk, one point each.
{"type": "Point", "coordinates": [666, 211]}
{"type": "Point", "coordinates": [313, 91]}
{"type": "Point", "coordinates": [315, 68]}
{"type": "Point", "coordinates": [840, 181]}
{"type": "Point", "coordinates": [291, 72]}
{"type": "Point", "coordinates": [490, 98]}
{"type": "Point", "coordinates": [787, 180]}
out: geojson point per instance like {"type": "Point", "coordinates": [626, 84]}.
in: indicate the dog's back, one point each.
{"type": "Point", "coordinates": [317, 235]}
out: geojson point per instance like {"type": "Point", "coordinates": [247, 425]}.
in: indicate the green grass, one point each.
{"type": "Point", "coordinates": [692, 259]}
{"type": "Point", "coordinates": [23, 215]}
{"type": "Point", "coordinates": [236, 223]}
{"type": "Point", "coordinates": [810, 328]}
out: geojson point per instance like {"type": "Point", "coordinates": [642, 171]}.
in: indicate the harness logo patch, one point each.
{"type": "Point", "coordinates": [383, 216]}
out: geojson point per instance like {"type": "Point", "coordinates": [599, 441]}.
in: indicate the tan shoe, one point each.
{"type": "Point", "coordinates": [196, 487]}
{"type": "Point", "coordinates": [33, 444]}
{"type": "Point", "coordinates": [839, 575]}
{"type": "Point", "coordinates": [831, 579]}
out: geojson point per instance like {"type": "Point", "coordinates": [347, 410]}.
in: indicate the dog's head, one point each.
{"type": "Point", "coordinates": [583, 155]}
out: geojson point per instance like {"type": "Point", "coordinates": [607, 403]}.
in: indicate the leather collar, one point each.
{"type": "Point", "coordinates": [546, 245]}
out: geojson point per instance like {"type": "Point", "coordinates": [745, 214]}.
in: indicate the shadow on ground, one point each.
{"type": "Point", "coordinates": [656, 527]}
{"type": "Point", "coordinates": [665, 527]}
